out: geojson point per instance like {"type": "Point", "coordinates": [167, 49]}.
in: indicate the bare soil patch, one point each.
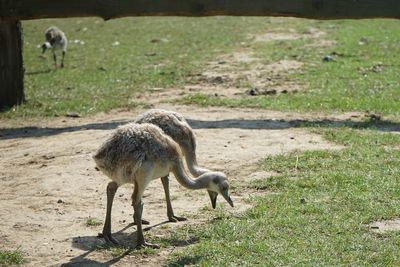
{"type": "Point", "coordinates": [287, 35]}
{"type": "Point", "coordinates": [385, 226]}
{"type": "Point", "coordinates": [231, 78]}
{"type": "Point", "coordinates": [244, 74]}
{"type": "Point", "coordinates": [228, 76]}
{"type": "Point", "coordinates": [50, 187]}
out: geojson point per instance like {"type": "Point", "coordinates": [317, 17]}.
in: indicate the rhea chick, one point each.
{"type": "Point", "coordinates": [55, 40]}
{"type": "Point", "coordinates": [175, 125]}
{"type": "Point", "coordinates": [139, 153]}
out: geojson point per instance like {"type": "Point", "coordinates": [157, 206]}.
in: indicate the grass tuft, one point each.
{"type": "Point", "coordinates": [119, 250]}
{"type": "Point", "coordinates": [92, 222]}
{"type": "Point", "coordinates": [11, 257]}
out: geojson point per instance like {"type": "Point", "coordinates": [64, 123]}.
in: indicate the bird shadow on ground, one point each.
{"type": "Point", "coordinates": [128, 242]}
{"type": "Point", "coordinates": [185, 261]}
{"type": "Point", "coordinates": [90, 244]}
{"type": "Point", "coordinates": [380, 125]}
{"type": "Point", "coordinates": [38, 72]}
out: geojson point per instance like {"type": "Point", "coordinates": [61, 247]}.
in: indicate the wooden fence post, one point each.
{"type": "Point", "coordinates": [11, 64]}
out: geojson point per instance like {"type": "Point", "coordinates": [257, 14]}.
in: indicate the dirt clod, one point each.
{"type": "Point", "coordinates": [256, 91]}
{"type": "Point", "coordinates": [328, 58]}
{"type": "Point", "coordinates": [72, 115]}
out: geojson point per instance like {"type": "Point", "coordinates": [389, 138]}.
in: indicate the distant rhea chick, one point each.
{"type": "Point", "coordinates": [55, 39]}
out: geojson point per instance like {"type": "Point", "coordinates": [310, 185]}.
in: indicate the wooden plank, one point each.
{"type": "Point", "coordinates": [108, 9]}
{"type": "Point", "coordinates": [11, 65]}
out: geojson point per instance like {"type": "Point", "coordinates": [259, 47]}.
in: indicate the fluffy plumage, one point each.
{"type": "Point", "coordinates": [55, 40]}
{"type": "Point", "coordinates": [139, 153]}
{"type": "Point", "coordinates": [175, 126]}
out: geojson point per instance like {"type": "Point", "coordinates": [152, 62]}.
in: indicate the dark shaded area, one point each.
{"type": "Point", "coordinates": [11, 63]}
{"type": "Point", "coordinates": [184, 261]}
{"type": "Point", "coordinates": [373, 124]}
{"type": "Point", "coordinates": [379, 125]}
{"type": "Point", "coordinates": [315, 9]}
{"type": "Point", "coordinates": [183, 242]}
{"type": "Point", "coordinates": [38, 72]}
{"type": "Point", "coordinates": [10, 133]}
{"type": "Point", "coordinates": [93, 243]}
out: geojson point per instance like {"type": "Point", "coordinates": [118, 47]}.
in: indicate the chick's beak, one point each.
{"type": "Point", "coordinates": [44, 48]}
{"type": "Point", "coordinates": [228, 199]}
{"type": "Point", "coordinates": [213, 198]}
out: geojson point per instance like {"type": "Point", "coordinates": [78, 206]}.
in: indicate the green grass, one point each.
{"type": "Point", "coordinates": [163, 52]}
{"type": "Point", "coordinates": [118, 250]}
{"type": "Point", "coordinates": [345, 84]}
{"type": "Point", "coordinates": [100, 76]}
{"type": "Point", "coordinates": [8, 257]}
{"type": "Point", "coordinates": [315, 212]}
{"type": "Point", "coordinates": [92, 222]}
